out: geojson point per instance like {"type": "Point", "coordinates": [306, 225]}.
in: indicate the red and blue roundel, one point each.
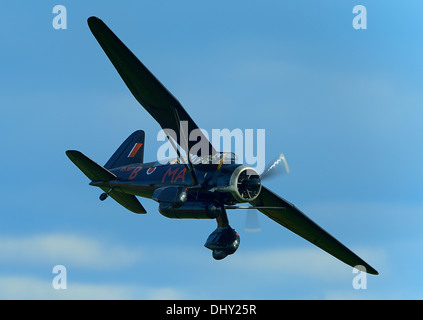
{"type": "Point", "coordinates": [151, 170]}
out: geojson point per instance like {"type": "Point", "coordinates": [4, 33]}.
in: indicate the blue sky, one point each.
{"type": "Point", "coordinates": [343, 105]}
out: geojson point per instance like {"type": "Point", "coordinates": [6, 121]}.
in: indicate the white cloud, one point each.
{"type": "Point", "coordinates": [26, 287]}
{"type": "Point", "coordinates": [274, 265]}
{"type": "Point", "coordinates": [75, 250]}
{"type": "Point", "coordinates": [300, 261]}
{"type": "Point", "coordinates": [311, 262]}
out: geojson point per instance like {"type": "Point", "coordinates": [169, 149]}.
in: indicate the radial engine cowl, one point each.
{"type": "Point", "coordinates": [244, 184]}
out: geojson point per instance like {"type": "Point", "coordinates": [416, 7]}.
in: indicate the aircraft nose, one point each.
{"type": "Point", "coordinates": [254, 183]}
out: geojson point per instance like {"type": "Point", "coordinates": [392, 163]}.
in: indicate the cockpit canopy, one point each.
{"type": "Point", "coordinates": [218, 158]}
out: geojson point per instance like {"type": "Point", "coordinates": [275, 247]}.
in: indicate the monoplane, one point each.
{"type": "Point", "coordinates": [194, 185]}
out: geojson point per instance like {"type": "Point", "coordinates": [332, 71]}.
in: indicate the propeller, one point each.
{"type": "Point", "coordinates": [252, 222]}
{"type": "Point", "coordinates": [277, 167]}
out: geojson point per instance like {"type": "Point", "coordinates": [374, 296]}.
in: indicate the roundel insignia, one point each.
{"type": "Point", "coordinates": [151, 170]}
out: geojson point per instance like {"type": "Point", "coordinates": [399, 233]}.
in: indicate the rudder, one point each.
{"type": "Point", "coordinates": [130, 151]}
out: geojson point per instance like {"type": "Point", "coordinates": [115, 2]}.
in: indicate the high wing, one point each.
{"type": "Point", "coordinates": [149, 92]}
{"type": "Point", "coordinates": [296, 221]}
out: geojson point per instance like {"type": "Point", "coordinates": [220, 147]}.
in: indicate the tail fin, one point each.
{"type": "Point", "coordinates": [130, 151]}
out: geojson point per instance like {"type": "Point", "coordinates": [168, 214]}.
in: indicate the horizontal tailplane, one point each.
{"type": "Point", "coordinates": [128, 201]}
{"type": "Point", "coordinates": [91, 169]}
{"type": "Point", "coordinates": [96, 172]}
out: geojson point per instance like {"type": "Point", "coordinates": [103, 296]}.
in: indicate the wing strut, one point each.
{"type": "Point", "coordinates": [184, 142]}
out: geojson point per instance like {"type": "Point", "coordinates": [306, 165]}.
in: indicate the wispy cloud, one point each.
{"type": "Point", "coordinates": [75, 250]}
{"type": "Point", "coordinates": [307, 262]}
{"type": "Point", "coordinates": [27, 287]}
{"type": "Point", "coordinates": [82, 255]}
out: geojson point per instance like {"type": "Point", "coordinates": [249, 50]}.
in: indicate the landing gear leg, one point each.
{"type": "Point", "coordinates": [222, 219]}
{"type": "Point", "coordinates": [224, 240]}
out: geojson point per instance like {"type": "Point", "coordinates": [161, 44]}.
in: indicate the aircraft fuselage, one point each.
{"type": "Point", "coordinates": [144, 178]}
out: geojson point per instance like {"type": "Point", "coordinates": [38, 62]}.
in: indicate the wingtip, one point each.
{"type": "Point", "coordinates": [374, 272]}
{"type": "Point", "coordinates": [371, 270]}
{"type": "Point", "coordinates": [367, 268]}
{"type": "Point", "coordinates": [69, 152]}
{"type": "Point", "coordinates": [93, 21]}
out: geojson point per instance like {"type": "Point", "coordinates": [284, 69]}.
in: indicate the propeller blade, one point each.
{"type": "Point", "coordinates": [278, 166]}
{"type": "Point", "coordinates": [252, 222]}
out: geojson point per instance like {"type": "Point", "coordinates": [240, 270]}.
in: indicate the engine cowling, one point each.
{"type": "Point", "coordinates": [244, 183]}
